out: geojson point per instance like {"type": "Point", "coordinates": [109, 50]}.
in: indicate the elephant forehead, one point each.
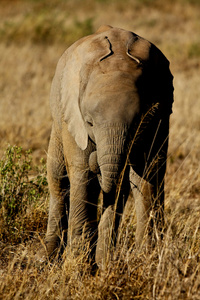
{"type": "Point", "coordinates": [111, 82]}
{"type": "Point", "coordinates": [113, 97]}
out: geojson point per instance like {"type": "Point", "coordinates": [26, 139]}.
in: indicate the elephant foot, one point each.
{"type": "Point", "coordinates": [49, 250]}
{"type": "Point", "coordinates": [41, 256]}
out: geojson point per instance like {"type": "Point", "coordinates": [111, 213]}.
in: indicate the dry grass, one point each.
{"type": "Point", "coordinates": [33, 36]}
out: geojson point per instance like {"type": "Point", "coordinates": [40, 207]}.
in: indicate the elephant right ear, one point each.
{"type": "Point", "coordinates": [70, 86]}
{"type": "Point", "coordinates": [64, 99]}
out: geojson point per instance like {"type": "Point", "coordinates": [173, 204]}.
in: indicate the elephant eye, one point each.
{"type": "Point", "coordinates": [90, 123]}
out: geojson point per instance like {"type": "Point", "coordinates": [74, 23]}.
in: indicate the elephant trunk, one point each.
{"type": "Point", "coordinates": [111, 155]}
{"type": "Point", "coordinates": [110, 174]}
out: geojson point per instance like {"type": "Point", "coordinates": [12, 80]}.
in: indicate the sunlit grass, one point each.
{"type": "Point", "coordinates": [33, 35]}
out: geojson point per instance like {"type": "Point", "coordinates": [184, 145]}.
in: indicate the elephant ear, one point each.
{"type": "Point", "coordinates": [69, 81]}
{"type": "Point", "coordinates": [162, 81]}
{"type": "Point", "coordinates": [157, 78]}
{"type": "Point", "coordinates": [64, 97]}
{"type": "Point", "coordinates": [70, 98]}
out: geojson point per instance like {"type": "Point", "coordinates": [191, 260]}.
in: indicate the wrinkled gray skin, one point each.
{"type": "Point", "coordinates": [104, 85]}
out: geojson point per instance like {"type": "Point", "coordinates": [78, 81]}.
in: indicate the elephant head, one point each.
{"type": "Point", "coordinates": [109, 81]}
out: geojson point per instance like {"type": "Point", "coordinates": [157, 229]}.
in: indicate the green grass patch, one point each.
{"type": "Point", "coordinates": [23, 195]}
{"type": "Point", "coordinates": [194, 50]}
{"type": "Point", "coordinates": [45, 25]}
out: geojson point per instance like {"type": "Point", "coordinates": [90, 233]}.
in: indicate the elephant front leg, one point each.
{"type": "Point", "coordinates": [105, 237]}
{"type": "Point", "coordinates": [108, 229]}
{"type": "Point", "coordinates": [84, 192]}
{"type": "Point", "coordinates": [143, 196]}
{"type": "Point", "coordinates": [58, 186]}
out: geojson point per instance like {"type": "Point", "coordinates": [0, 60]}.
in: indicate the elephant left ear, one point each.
{"type": "Point", "coordinates": [162, 80]}
{"type": "Point", "coordinates": [157, 78]}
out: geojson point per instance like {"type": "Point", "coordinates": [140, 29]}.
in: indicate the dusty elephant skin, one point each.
{"type": "Point", "coordinates": [111, 99]}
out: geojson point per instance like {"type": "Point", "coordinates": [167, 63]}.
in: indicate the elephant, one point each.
{"type": "Point", "coordinates": [111, 100]}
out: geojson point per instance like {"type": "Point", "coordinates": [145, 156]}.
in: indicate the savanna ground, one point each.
{"type": "Point", "coordinates": [33, 35]}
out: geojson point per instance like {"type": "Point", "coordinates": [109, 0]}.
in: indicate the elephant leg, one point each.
{"type": "Point", "coordinates": [58, 186]}
{"type": "Point", "coordinates": [155, 173]}
{"type": "Point", "coordinates": [108, 233]}
{"type": "Point", "coordinates": [105, 230]}
{"type": "Point", "coordinates": [143, 196]}
{"type": "Point", "coordinates": [110, 221]}
{"type": "Point", "coordinates": [84, 192]}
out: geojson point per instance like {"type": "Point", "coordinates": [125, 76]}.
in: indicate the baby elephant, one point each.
{"type": "Point", "coordinates": [111, 99]}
